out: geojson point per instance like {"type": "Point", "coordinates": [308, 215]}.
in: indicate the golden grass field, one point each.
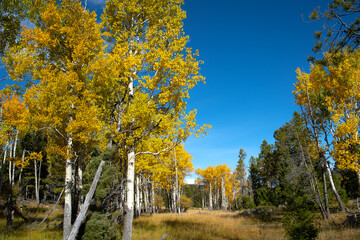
{"type": "Point", "coordinates": [194, 224]}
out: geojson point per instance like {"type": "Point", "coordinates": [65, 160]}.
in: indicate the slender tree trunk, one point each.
{"type": "Point", "coordinates": [152, 197]}
{"type": "Point", "coordinates": [36, 185]}
{"type": "Point", "coordinates": [137, 209]}
{"type": "Point", "coordinates": [202, 201]}
{"type": "Point", "coordinates": [146, 197]}
{"type": "Point", "coordinates": [223, 196]}
{"type": "Point", "coordinates": [79, 186]}
{"type": "Point", "coordinates": [85, 207]}
{"type": "Point", "coordinates": [68, 197]}
{"type": "Point", "coordinates": [3, 166]}
{"type": "Point", "coordinates": [178, 199]}
{"type": "Point", "coordinates": [210, 198]}
{"type": "Point", "coordinates": [326, 199]}
{"type": "Point", "coordinates": [333, 188]}
{"type": "Point", "coordinates": [129, 207]}
{"type": "Point", "coordinates": [173, 198]}
{"type": "Point", "coordinates": [21, 170]}
{"type": "Point", "coordinates": [39, 180]}
{"type": "Point", "coordinates": [217, 198]}
{"type": "Point", "coordinates": [141, 194]}
{"type": "Point", "coordinates": [10, 163]}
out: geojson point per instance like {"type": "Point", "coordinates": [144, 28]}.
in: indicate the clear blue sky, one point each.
{"type": "Point", "coordinates": [250, 50]}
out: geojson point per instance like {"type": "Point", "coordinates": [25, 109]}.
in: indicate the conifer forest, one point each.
{"type": "Point", "coordinates": [95, 118]}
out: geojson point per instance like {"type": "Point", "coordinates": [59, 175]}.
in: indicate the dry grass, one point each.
{"type": "Point", "coordinates": [334, 230]}
{"type": "Point", "coordinates": [22, 230]}
{"type": "Point", "coordinates": [205, 225]}
{"type": "Point", "coordinates": [195, 224]}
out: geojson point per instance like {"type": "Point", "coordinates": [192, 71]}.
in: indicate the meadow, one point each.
{"type": "Point", "coordinates": [194, 224]}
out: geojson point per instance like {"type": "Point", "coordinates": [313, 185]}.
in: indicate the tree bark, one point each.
{"type": "Point", "coordinates": [173, 198]}
{"type": "Point", "coordinates": [333, 188]}
{"type": "Point", "coordinates": [79, 187]}
{"type": "Point", "coordinates": [68, 196]}
{"type": "Point", "coordinates": [210, 198]}
{"type": "Point", "coordinates": [129, 206]}
{"type": "Point", "coordinates": [146, 197]}
{"type": "Point", "coordinates": [137, 208]}
{"type": "Point", "coordinates": [326, 199]}
{"type": "Point", "coordinates": [223, 197]}
{"type": "Point", "coordinates": [86, 204]}
{"type": "Point", "coordinates": [152, 197]}
{"type": "Point", "coordinates": [36, 184]}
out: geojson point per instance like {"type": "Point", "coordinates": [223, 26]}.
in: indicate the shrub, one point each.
{"type": "Point", "coordinates": [300, 226]}
{"type": "Point", "coordinates": [185, 203]}
{"type": "Point", "coordinates": [299, 218]}
{"type": "Point", "coordinates": [247, 202]}
{"type": "Point", "coordinates": [99, 227]}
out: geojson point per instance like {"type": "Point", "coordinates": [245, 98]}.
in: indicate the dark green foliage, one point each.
{"type": "Point", "coordinates": [194, 192]}
{"type": "Point", "coordinates": [341, 28]}
{"type": "Point", "coordinates": [99, 227]}
{"type": "Point", "coordinates": [299, 218]}
{"type": "Point", "coordinates": [108, 177]}
{"type": "Point", "coordinates": [246, 202]}
{"type": "Point", "coordinates": [349, 183]}
{"type": "Point", "coordinates": [265, 214]}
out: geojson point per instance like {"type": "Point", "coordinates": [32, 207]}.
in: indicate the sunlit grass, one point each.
{"type": "Point", "coordinates": [195, 224]}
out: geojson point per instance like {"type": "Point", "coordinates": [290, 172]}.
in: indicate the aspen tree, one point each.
{"type": "Point", "coordinates": [150, 75]}
{"type": "Point", "coordinates": [329, 97]}
{"type": "Point", "coordinates": [56, 56]}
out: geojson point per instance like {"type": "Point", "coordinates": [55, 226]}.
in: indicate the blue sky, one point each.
{"type": "Point", "coordinates": [250, 50]}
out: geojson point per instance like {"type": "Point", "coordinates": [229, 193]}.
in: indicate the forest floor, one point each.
{"type": "Point", "coordinates": [194, 224]}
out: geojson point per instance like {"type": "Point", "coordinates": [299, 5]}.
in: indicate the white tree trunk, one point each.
{"type": "Point", "coordinates": [152, 197]}
{"type": "Point", "coordinates": [333, 188]}
{"type": "Point", "coordinates": [80, 187]}
{"type": "Point", "coordinates": [36, 184]}
{"type": "Point", "coordinates": [21, 170]}
{"type": "Point", "coordinates": [223, 197]}
{"type": "Point", "coordinates": [137, 209]}
{"type": "Point", "coordinates": [210, 198]}
{"type": "Point", "coordinates": [10, 163]}
{"type": "Point", "coordinates": [129, 206]}
{"type": "Point", "coordinates": [173, 198]}
{"type": "Point", "coordinates": [68, 197]}
{"type": "Point", "coordinates": [85, 207]}
{"type": "Point", "coordinates": [141, 195]}
{"type": "Point", "coordinates": [146, 198]}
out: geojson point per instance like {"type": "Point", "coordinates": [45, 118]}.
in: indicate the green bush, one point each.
{"type": "Point", "coordinates": [300, 226]}
{"type": "Point", "coordinates": [246, 202]}
{"type": "Point", "coordinates": [265, 214]}
{"type": "Point", "coordinates": [99, 227]}
{"type": "Point", "coordinates": [299, 218]}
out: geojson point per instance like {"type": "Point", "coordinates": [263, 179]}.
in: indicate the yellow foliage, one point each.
{"type": "Point", "coordinates": [334, 91]}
